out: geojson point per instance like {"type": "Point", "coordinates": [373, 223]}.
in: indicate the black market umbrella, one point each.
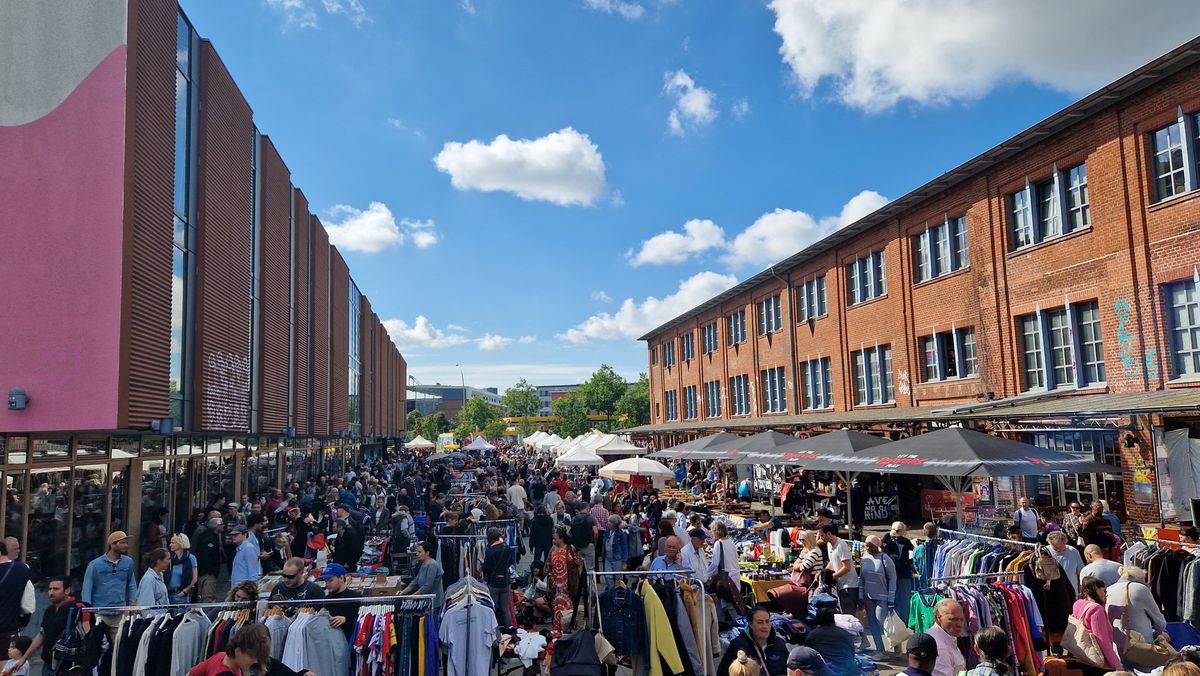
{"type": "Point", "coordinates": [681, 451]}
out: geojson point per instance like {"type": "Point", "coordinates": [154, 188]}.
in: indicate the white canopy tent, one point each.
{"type": "Point", "coordinates": [579, 456]}
{"type": "Point", "coordinates": [549, 442]}
{"type": "Point", "coordinates": [479, 444]}
{"type": "Point", "coordinates": [563, 446]}
{"type": "Point", "coordinates": [615, 445]}
{"type": "Point", "coordinates": [419, 442]}
{"type": "Point", "coordinates": [532, 439]}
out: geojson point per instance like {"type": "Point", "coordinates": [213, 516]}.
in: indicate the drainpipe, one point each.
{"type": "Point", "coordinates": [791, 299]}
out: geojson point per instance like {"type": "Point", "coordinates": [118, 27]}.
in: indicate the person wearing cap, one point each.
{"type": "Point", "coordinates": [877, 582]}
{"type": "Point", "coordinates": [210, 554]}
{"type": "Point", "coordinates": [804, 661]}
{"type": "Point", "coordinates": [693, 554]}
{"type": "Point", "coordinates": [922, 655]}
{"type": "Point", "coordinates": [109, 581]}
{"type": "Point", "coordinates": [246, 564]}
{"type": "Point", "coordinates": [348, 547]}
{"type": "Point", "coordinates": [344, 613]}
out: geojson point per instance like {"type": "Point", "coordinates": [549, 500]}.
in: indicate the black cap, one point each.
{"type": "Point", "coordinates": [825, 512]}
{"type": "Point", "coordinates": [809, 660]}
{"type": "Point", "coordinates": [923, 647]}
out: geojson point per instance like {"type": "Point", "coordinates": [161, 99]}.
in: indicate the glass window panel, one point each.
{"type": "Point", "coordinates": [1022, 219]}
{"type": "Point", "coordinates": [970, 363]}
{"type": "Point", "coordinates": [929, 358]}
{"type": "Point", "coordinates": [821, 307]}
{"type": "Point", "coordinates": [942, 235]}
{"type": "Point", "coordinates": [89, 527]}
{"type": "Point", "coordinates": [1091, 342]}
{"type": "Point", "coordinates": [51, 449]}
{"type": "Point", "coordinates": [182, 92]}
{"type": "Point", "coordinates": [48, 522]}
{"type": "Point", "coordinates": [1079, 211]}
{"type": "Point", "coordinates": [1048, 219]}
{"type": "Point", "coordinates": [924, 260]}
{"type": "Point", "coordinates": [91, 447]}
{"type": "Point", "coordinates": [14, 497]}
{"type": "Point", "coordinates": [1185, 327]}
{"type": "Point", "coordinates": [1060, 347]}
{"type": "Point", "coordinates": [1031, 347]}
{"type": "Point", "coordinates": [126, 447]}
{"type": "Point", "coordinates": [1168, 161]}
{"type": "Point", "coordinates": [889, 391]}
{"type": "Point", "coordinates": [962, 253]}
{"type": "Point", "coordinates": [860, 378]}
{"type": "Point", "coordinates": [17, 449]}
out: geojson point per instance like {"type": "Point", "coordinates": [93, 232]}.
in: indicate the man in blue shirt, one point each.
{"type": "Point", "coordinates": [109, 581]}
{"type": "Point", "coordinates": [246, 564]}
{"type": "Point", "coordinates": [671, 560]}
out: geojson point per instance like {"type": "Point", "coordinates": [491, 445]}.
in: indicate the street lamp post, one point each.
{"type": "Point", "coordinates": [463, 380]}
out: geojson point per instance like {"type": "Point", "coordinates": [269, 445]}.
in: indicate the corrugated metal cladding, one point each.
{"type": "Point", "coordinates": [276, 283]}
{"type": "Point", "coordinates": [300, 393]}
{"type": "Point", "coordinates": [366, 352]}
{"type": "Point", "coordinates": [320, 328]}
{"type": "Point", "coordinates": [339, 354]}
{"type": "Point", "coordinates": [149, 174]}
{"type": "Point", "coordinates": [222, 393]}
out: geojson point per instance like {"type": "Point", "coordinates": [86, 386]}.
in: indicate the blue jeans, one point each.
{"type": "Point", "coordinates": [876, 614]}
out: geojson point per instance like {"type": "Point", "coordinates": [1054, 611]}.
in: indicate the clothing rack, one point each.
{"type": "Point", "coordinates": [424, 599]}
{"type": "Point", "coordinates": [1170, 542]}
{"type": "Point", "coordinates": [975, 576]}
{"type": "Point", "coordinates": [686, 573]}
{"type": "Point", "coordinates": [473, 562]}
{"type": "Point", "coordinates": [959, 535]}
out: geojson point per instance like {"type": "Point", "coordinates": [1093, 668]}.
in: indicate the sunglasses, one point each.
{"type": "Point", "coordinates": [289, 577]}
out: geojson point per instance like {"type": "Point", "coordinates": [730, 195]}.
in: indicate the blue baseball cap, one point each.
{"type": "Point", "coordinates": [333, 570]}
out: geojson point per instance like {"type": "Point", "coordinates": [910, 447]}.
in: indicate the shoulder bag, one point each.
{"type": "Point", "coordinates": [1081, 644]}
{"type": "Point", "coordinates": [1139, 650]}
{"type": "Point", "coordinates": [724, 587]}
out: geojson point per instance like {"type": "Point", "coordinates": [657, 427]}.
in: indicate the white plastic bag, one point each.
{"type": "Point", "coordinates": [895, 632]}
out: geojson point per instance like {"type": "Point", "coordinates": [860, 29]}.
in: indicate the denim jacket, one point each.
{"type": "Point", "coordinates": [624, 621]}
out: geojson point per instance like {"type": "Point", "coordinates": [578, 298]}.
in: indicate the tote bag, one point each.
{"type": "Point", "coordinates": [1078, 641]}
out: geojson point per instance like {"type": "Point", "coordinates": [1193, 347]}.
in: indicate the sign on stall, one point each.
{"type": "Point", "coordinates": [881, 508]}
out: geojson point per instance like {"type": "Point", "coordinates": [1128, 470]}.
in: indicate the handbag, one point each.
{"type": "Point", "coordinates": [725, 588]}
{"type": "Point", "coordinates": [1146, 654]}
{"type": "Point", "coordinates": [1078, 641]}
{"type": "Point", "coordinates": [69, 650]}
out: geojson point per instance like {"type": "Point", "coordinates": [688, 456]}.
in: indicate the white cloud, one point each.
{"type": "Point", "coordinates": [627, 10]}
{"type": "Point", "coordinates": [634, 319]}
{"type": "Point", "coordinates": [617, 199]}
{"type": "Point", "coordinates": [300, 13]}
{"type": "Point", "coordinates": [353, 9]}
{"type": "Point", "coordinates": [877, 53]}
{"type": "Point", "coordinates": [468, 7]}
{"type": "Point", "coordinates": [457, 328]}
{"type": "Point", "coordinates": [527, 340]}
{"type": "Point", "coordinates": [783, 232]}
{"type": "Point", "coordinates": [672, 247]}
{"type": "Point", "coordinates": [376, 229]}
{"type": "Point", "coordinates": [563, 167]}
{"type": "Point", "coordinates": [422, 333]}
{"type": "Point", "coordinates": [741, 109]}
{"type": "Point", "coordinates": [601, 296]}
{"type": "Point", "coordinates": [694, 105]}
{"type": "Point", "coordinates": [399, 125]}
{"type": "Point", "coordinates": [491, 342]}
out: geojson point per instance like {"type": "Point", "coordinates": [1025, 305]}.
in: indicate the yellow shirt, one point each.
{"type": "Point", "coordinates": [662, 641]}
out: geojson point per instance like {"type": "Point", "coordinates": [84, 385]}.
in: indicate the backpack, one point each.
{"type": "Point", "coordinates": [581, 530]}
{"type": "Point", "coordinates": [70, 649]}
{"type": "Point", "coordinates": [575, 655]}
{"type": "Point", "coordinates": [1045, 568]}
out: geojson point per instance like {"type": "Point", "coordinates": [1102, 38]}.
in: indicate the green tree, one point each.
{"type": "Point", "coordinates": [494, 429]}
{"type": "Point", "coordinates": [603, 390]}
{"type": "Point", "coordinates": [633, 408]}
{"type": "Point", "coordinates": [434, 424]}
{"type": "Point", "coordinates": [413, 424]}
{"type": "Point", "coordinates": [522, 400]}
{"type": "Point", "coordinates": [571, 412]}
{"type": "Point", "coordinates": [475, 417]}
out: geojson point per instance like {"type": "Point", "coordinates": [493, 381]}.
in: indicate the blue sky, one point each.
{"type": "Point", "coordinates": [523, 187]}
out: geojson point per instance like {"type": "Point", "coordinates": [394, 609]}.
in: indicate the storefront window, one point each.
{"type": "Point", "coordinates": [14, 497]}
{"type": "Point", "coordinates": [189, 445]}
{"type": "Point", "coordinates": [17, 450]}
{"type": "Point", "coordinates": [213, 445]}
{"type": "Point", "coordinates": [51, 449]}
{"type": "Point", "coordinates": [153, 445]}
{"type": "Point", "coordinates": [219, 478]}
{"type": "Point", "coordinates": [91, 447]}
{"type": "Point", "coordinates": [48, 521]}
{"type": "Point", "coordinates": [90, 511]}
{"type": "Point", "coordinates": [127, 447]}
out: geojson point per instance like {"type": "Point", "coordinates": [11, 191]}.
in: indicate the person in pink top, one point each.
{"type": "Point", "coordinates": [1089, 609]}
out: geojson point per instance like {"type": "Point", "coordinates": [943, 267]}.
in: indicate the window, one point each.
{"type": "Point", "coordinates": [1037, 212]}
{"type": "Point", "coordinates": [950, 354]}
{"type": "Point", "coordinates": [690, 407]}
{"type": "Point", "coordinates": [774, 394]}
{"type": "Point", "coordinates": [1183, 299]}
{"type": "Point", "coordinates": [687, 344]}
{"type": "Point", "coordinates": [818, 383]}
{"type": "Point", "coordinates": [709, 337]}
{"type": "Point", "coordinates": [1170, 168]}
{"type": "Point", "coordinates": [866, 278]}
{"type": "Point", "coordinates": [354, 378]}
{"type": "Point", "coordinates": [737, 327]}
{"type": "Point", "coordinates": [810, 302]}
{"type": "Point", "coordinates": [184, 203]}
{"type": "Point", "coordinates": [873, 382]}
{"type": "Point", "coordinates": [770, 317]}
{"type": "Point", "coordinates": [941, 249]}
{"type": "Point", "coordinates": [672, 405]}
{"type": "Point", "coordinates": [669, 353]}
{"type": "Point", "coordinates": [1062, 347]}
{"type": "Point", "coordinates": [653, 361]}
{"type": "Point", "coordinates": [739, 394]}
{"type": "Point", "coordinates": [712, 399]}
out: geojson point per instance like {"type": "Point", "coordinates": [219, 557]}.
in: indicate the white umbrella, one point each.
{"type": "Point", "coordinates": [623, 469]}
{"type": "Point", "coordinates": [579, 456]}
{"type": "Point", "coordinates": [419, 442]}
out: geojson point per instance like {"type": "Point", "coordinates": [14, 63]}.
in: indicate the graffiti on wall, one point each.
{"type": "Point", "coordinates": [1131, 361]}
{"type": "Point", "coordinates": [905, 384]}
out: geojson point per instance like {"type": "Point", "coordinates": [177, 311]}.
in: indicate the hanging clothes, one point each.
{"type": "Point", "coordinates": [468, 629]}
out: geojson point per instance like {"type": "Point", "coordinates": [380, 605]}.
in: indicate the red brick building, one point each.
{"type": "Point", "coordinates": [1045, 289]}
{"type": "Point", "coordinates": [173, 312]}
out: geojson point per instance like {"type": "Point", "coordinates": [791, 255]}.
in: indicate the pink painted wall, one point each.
{"type": "Point", "coordinates": [61, 233]}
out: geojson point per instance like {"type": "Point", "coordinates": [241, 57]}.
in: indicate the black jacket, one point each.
{"type": "Point", "coordinates": [210, 553]}
{"type": "Point", "coordinates": [349, 549]}
{"type": "Point", "coordinates": [541, 531]}
{"type": "Point", "coordinates": [776, 653]}
{"type": "Point", "coordinates": [495, 565]}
